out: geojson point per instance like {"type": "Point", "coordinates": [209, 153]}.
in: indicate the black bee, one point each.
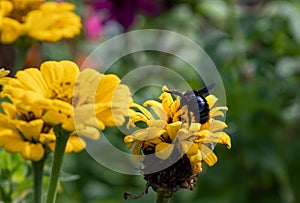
{"type": "Point", "coordinates": [196, 102]}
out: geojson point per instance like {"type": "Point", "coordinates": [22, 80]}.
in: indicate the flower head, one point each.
{"type": "Point", "coordinates": [58, 21]}
{"type": "Point", "coordinates": [171, 149]}
{"type": "Point", "coordinates": [39, 20]}
{"type": "Point", "coordinates": [23, 131]}
{"type": "Point", "coordinates": [66, 95]}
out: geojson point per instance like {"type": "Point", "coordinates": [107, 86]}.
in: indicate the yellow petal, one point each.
{"type": "Point", "coordinates": [77, 143]}
{"type": "Point", "coordinates": [211, 100]}
{"type": "Point", "coordinates": [223, 138]}
{"type": "Point", "coordinates": [217, 111]}
{"type": "Point", "coordinates": [157, 108]}
{"type": "Point", "coordinates": [9, 109]}
{"type": "Point", "coordinates": [37, 83]}
{"type": "Point", "coordinates": [53, 117]}
{"type": "Point", "coordinates": [216, 125]}
{"type": "Point", "coordinates": [128, 139]}
{"type": "Point", "coordinates": [85, 91]}
{"type": "Point", "coordinates": [62, 107]}
{"type": "Point", "coordinates": [208, 156]}
{"type": "Point", "coordinates": [196, 157]}
{"type": "Point", "coordinates": [15, 145]}
{"type": "Point", "coordinates": [163, 150]}
{"type": "Point", "coordinates": [34, 152]}
{"type": "Point", "coordinates": [10, 30]}
{"type": "Point", "coordinates": [89, 132]}
{"type": "Point", "coordinates": [194, 127]}
{"type": "Point", "coordinates": [143, 110]}
{"type": "Point", "coordinates": [47, 137]}
{"type": "Point", "coordinates": [154, 132]}
{"type": "Point", "coordinates": [70, 70]}
{"type": "Point", "coordinates": [106, 87]}
{"type": "Point", "coordinates": [30, 130]}
{"type": "Point", "coordinates": [136, 152]}
{"type": "Point", "coordinates": [8, 136]}
{"type": "Point", "coordinates": [146, 134]}
{"type": "Point", "coordinates": [68, 124]}
{"type": "Point", "coordinates": [6, 7]}
{"type": "Point", "coordinates": [172, 129]}
{"type": "Point", "coordinates": [189, 148]}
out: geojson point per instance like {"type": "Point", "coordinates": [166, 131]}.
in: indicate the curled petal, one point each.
{"type": "Point", "coordinates": [143, 110]}
{"type": "Point", "coordinates": [128, 140]}
{"type": "Point", "coordinates": [157, 108]}
{"type": "Point", "coordinates": [217, 111]}
{"type": "Point", "coordinates": [223, 138]}
{"type": "Point", "coordinates": [208, 155]}
{"type": "Point", "coordinates": [216, 125]}
{"type": "Point", "coordinates": [137, 152]}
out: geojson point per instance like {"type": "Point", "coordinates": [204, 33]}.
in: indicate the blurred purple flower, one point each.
{"type": "Point", "coordinates": [124, 11]}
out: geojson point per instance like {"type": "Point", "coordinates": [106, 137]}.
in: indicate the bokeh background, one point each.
{"type": "Point", "coordinates": [255, 44]}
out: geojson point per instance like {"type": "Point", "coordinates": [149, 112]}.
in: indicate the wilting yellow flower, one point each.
{"type": "Point", "coordinates": [49, 21]}
{"type": "Point", "coordinates": [185, 145]}
{"type": "Point", "coordinates": [98, 100]}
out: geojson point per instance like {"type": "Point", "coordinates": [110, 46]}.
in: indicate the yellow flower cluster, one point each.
{"type": "Point", "coordinates": [42, 21]}
{"type": "Point", "coordinates": [166, 132]}
{"type": "Point", "coordinates": [59, 94]}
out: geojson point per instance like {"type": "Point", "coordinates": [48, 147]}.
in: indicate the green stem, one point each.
{"type": "Point", "coordinates": [62, 137]}
{"type": "Point", "coordinates": [38, 168]}
{"type": "Point", "coordinates": [161, 197]}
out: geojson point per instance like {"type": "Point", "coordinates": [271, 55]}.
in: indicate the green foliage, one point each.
{"type": "Point", "coordinates": [14, 182]}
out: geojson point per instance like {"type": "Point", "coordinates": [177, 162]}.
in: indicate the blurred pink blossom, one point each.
{"type": "Point", "coordinates": [93, 26]}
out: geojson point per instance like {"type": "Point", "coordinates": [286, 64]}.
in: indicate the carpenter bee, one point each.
{"type": "Point", "coordinates": [195, 102]}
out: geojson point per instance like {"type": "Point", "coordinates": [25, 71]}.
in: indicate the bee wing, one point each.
{"type": "Point", "coordinates": [206, 89]}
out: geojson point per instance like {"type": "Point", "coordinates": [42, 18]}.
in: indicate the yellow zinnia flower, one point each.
{"type": "Point", "coordinates": [98, 100]}
{"type": "Point", "coordinates": [49, 21]}
{"type": "Point", "coordinates": [52, 22]}
{"type": "Point", "coordinates": [20, 132]}
{"type": "Point", "coordinates": [172, 150]}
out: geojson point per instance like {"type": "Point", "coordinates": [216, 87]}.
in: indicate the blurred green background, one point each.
{"type": "Point", "coordinates": [255, 44]}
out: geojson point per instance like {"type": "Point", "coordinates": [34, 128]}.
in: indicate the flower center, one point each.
{"type": "Point", "coordinates": [62, 91]}
{"type": "Point", "coordinates": [22, 8]}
